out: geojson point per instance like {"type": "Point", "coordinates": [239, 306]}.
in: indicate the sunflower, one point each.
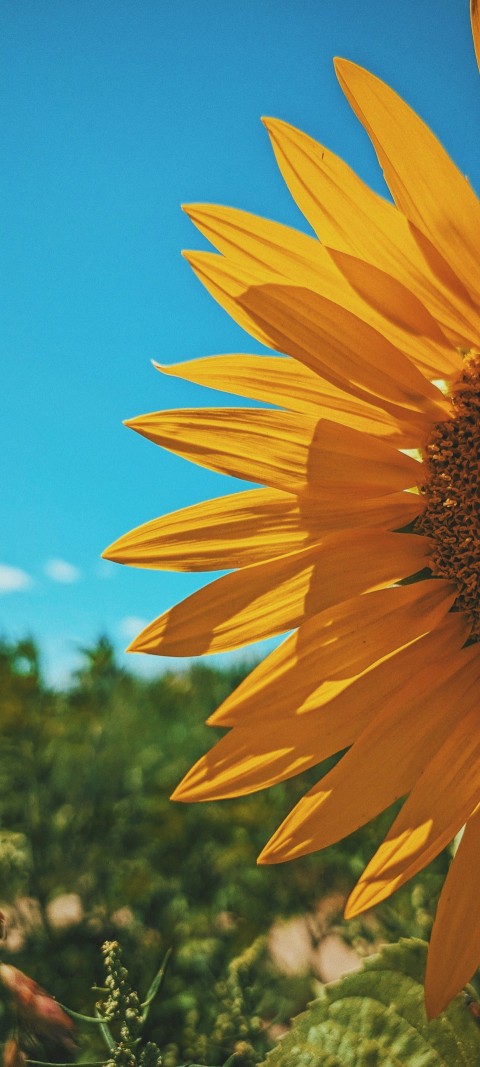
{"type": "Point", "coordinates": [363, 536]}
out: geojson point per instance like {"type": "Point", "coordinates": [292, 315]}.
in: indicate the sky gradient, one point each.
{"type": "Point", "coordinates": [115, 114]}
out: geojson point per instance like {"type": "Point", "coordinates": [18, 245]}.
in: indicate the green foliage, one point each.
{"type": "Point", "coordinates": [15, 864]}
{"type": "Point", "coordinates": [85, 780]}
{"type": "Point", "coordinates": [376, 1018]}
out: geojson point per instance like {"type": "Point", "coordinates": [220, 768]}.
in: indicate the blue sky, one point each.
{"type": "Point", "coordinates": [117, 111]}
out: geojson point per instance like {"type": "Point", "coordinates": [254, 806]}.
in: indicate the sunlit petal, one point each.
{"type": "Point", "coordinates": [368, 292]}
{"type": "Point", "coordinates": [272, 747]}
{"type": "Point", "coordinates": [291, 385]}
{"type": "Point", "coordinates": [244, 528]}
{"type": "Point", "coordinates": [444, 796]}
{"type": "Point", "coordinates": [338, 645]}
{"type": "Point", "coordinates": [425, 184]}
{"type": "Point", "coordinates": [384, 762]}
{"type": "Point", "coordinates": [282, 450]}
{"type": "Point", "coordinates": [350, 217]}
{"type": "Point", "coordinates": [327, 338]}
{"type": "Point", "coordinates": [270, 598]}
{"type": "Point", "coordinates": [453, 957]}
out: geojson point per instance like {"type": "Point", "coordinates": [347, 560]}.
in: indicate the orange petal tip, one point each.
{"type": "Point", "coordinates": [345, 67]}
{"type": "Point", "coordinates": [135, 645]}
{"type": "Point", "coordinates": [114, 552]}
{"type": "Point", "coordinates": [179, 795]}
{"type": "Point", "coordinates": [337, 65]}
{"type": "Point", "coordinates": [270, 123]}
{"type": "Point", "coordinates": [352, 909]}
{"type": "Point", "coordinates": [363, 897]}
{"type": "Point", "coordinates": [433, 1008]}
{"type": "Point", "coordinates": [269, 856]}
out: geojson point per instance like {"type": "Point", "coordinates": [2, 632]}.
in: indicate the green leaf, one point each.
{"type": "Point", "coordinates": [155, 986]}
{"type": "Point", "coordinates": [376, 1018]}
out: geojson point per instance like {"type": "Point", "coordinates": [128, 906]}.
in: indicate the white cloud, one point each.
{"type": "Point", "coordinates": [130, 626]}
{"type": "Point", "coordinates": [12, 579]}
{"type": "Point", "coordinates": [61, 571]}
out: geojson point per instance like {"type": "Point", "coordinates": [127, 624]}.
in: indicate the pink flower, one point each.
{"type": "Point", "coordinates": [36, 1009]}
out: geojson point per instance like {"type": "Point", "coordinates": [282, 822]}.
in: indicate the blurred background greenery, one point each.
{"type": "Point", "coordinates": [91, 848]}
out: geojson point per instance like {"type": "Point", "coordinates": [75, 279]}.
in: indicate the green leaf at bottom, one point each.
{"type": "Point", "coordinates": [376, 1018]}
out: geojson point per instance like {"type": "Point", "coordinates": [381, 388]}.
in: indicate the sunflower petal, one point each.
{"type": "Point", "coordinates": [366, 291]}
{"type": "Point", "coordinates": [384, 762]}
{"type": "Point", "coordinates": [336, 645]}
{"type": "Point", "coordinates": [475, 21]}
{"type": "Point", "coordinates": [289, 384]}
{"type": "Point", "coordinates": [424, 182]}
{"type": "Point", "coordinates": [329, 339]}
{"type": "Point", "coordinates": [269, 748]}
{"type": "Point", "coordinates": [442, 800]}
{"type": "Point", "coordinates": [282, 449]}
{"type": "Point", "coordinates": [270, 447]}
{"type": "Point", "coordinates": [234, 531]}
{"type": "Point", "coordinates": [344, 706]}
{"type": "Point", "coordinates": [417, 334]}
{"type": "Point", "coordinates": [229, 532]}
{"type": "Point", "coordinates": [269, 598]}
{"type": "Point", "coordinates": [350, 217]}
{"type": "Point", "coordinates": [238, 764]}
{"type": "Point", "coordinates": [258, 242]}
{"type": "Point", "coordinates": [452, 956]}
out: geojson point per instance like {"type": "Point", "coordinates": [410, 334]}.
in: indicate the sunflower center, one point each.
{"type": "Point", "coordinates": [451, 489]}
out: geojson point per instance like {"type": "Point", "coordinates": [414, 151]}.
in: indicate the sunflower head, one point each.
{"type": "Point", "coordinates": [362, 536]}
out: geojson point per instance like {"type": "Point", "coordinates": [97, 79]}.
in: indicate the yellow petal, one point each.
{"type": "Point", "coordinates": [258, 242]}
{"type": "Point", "coordinates": [329, 339]}
{"type": "Point", "coordinates": [344, 703]}
{"type": "Point", "coordinates": [275, 448]}
{"type": "Point", "coordinates": [266, 599]}
{"type": "Point", "coordinates": [336, 645]}
{"type": "Point", "coordinates": [340, 709]}
{"type": "Point", "coordinates": [282, 449]}
{"type": "Point", "coordinates": [280, 740]}
{"type": "Point", "coordinates": [384, 762]}
{"type": "Point", "coordinates": [229, 532]}
{"type": "Point", "coordinates": [350, 217]}
{"type": "Point", "coordinates": [241, 764]}
{"type": "Point", "coordinates": [399, 316]}
{"type": "Point", "coordinates": [424, 182]}
{"type": "Point", "coordinates": [442, 800]}
{"type": "Point", "coordinates": [234, 531]}
{"type": "Point", "coordinates": [291, 385]}
{"type": "Point", "coordinates": [454, 952]}
{"type": "Point", "coordinates": [338, 511]}
{"type": "Point", "coordinates": [475, 21]}
{"type": "Point", "coordinates": [366, 292]}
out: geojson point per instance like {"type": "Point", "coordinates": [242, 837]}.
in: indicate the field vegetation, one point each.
{"type": "Point", "coordinates": [92, 851]}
